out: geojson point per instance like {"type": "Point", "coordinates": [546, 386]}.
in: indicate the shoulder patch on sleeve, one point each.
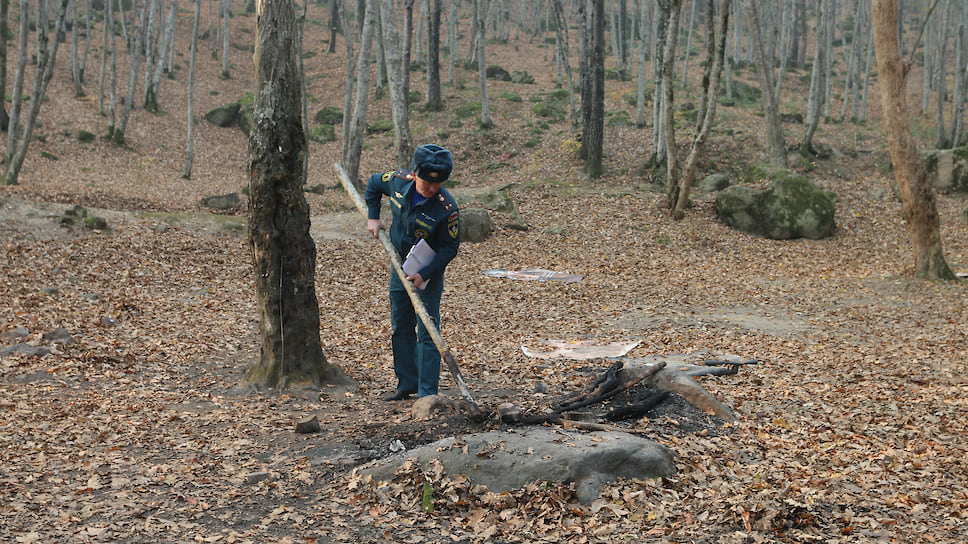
{"type": "Point", "coordinates": [453, 224]}
{"type": "Point", "coordinates": [387, 176]}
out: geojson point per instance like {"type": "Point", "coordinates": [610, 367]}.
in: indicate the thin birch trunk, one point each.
{"type": "Point", "coordinates": [710, 97]}
{"type": "Point", "coordinates": [190, 146]}
{"type": "Point", "coordinates": [45, 71]}
{"type": "Point", "coordinates": [17, 93]}
{"type": "Point", "coordinates": [135, 65]}
{"type": "Point", "coordinates": [402, 140]}
{"type": "Point", "coordinates": [482, 64]}
{"type": "Point", "coordinates": [358, 120]}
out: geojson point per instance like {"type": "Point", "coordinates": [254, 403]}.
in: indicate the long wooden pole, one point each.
{"type": "Point", "coordinates": [418, 304]}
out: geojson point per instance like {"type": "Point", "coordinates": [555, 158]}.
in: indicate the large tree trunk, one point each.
{"type": "Point", "coordinates": [917, 196]}
{"type": "Point", "coordinates": [402, 141]}
{"type": "Point", "coordinates": [283, 252]}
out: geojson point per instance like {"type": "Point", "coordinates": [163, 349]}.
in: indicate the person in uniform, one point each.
{"type": "Point", "coordinates": [422, 210]}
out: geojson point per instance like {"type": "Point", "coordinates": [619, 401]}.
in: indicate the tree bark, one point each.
{"type": "Point", "coordinates": [4, 31]}
{"type": "Point", "coordinates": [668, 79]}
{"type": "Point", "coordinates": [593, 93]}
{"type": "Point", "coordinates": [45, 71]}
{"type": "Point", "coordinates": [358, 121]}
{"type": "Point", "coordinates": [283, 252]}
{"type": "Point", "coordinates": [486, 122]}
{"type": "Point", "coordinates": [717, 51]}
{"type": "Point", "coordinates": [333, 24]}
{"type": "Point", "coordinates": [402, 140]}
{"type": "Point", "coordinates": [764, 67]}
{"type": "Point", "coordinates": [190, 147]}
{"type": "Point", "coordinates": [17, 93]}
{"type": "Point", "coordinates": [118, 133]}
{"type": "Point", "coordinates": [434, 102]}
{"type": "Point", "coordinates": [167, 41]}
{"type": "Point", "coordinates": [561, 41]}
{"type": "Point", "coordinates": [917, 196]}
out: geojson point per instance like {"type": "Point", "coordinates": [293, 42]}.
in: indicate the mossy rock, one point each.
{"type": "Point", "coordinates": [380, 125]}
{"type": "Point", "coordinates": [84, 136]}
{"type": "Point", "coordinates": [792, 207]}
{"type": "Point", "coordinates": [322, 134]}
{"type": "Point", "coordinates": [496, 72]}
{"type": "Point", "coordinates": [225, 115]}
{"type": "Point", "coordinates": [467, 110]}
{"type": "Point", "coordinates": [522, 76]}
{"type": "Point", "coordinates": [329, 115]}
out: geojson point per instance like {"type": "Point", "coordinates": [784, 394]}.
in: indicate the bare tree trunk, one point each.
{"type": "Point", "coordinates": [190, 147]}
{"type": "Point", "coordinates": [816, 93]}
{"type": "Point", "coordinates": [4, 32]}
{"type": "Point", "coordinates": [668, 78]}
{"type": "Point", "coordinates": [407, 44]}
{"type": "Point", "coordinates": [717, 49]}
{"type": "Point", "coordinates": [402, 140]}
{"type": "Point", "coordinates": [136, 52]}
{"type": "Point", "coordinates": [333, 24]}
{"type": "Point", "coordinates": [75, 59]}
{"type": "Point", "coordinates": [917, 196]}
{"type": "Point", "coordinates": [358, 121]}
{"type": "Point", "coordinates": [434, 102]}
{"type": "Point", "coordinates": [961, 81]}
{"type": "Point", "coordinates": [42, 77]}
{"type": "Point", "coordinates": [102, 75]}
{"type": "Point", "coordinates": [453, 36]}
{"type": "Point", "coordinates": [227, 13]}
{"type": "Point", "coordinates": [482, 63]}
{"type": "Point", "coordinates": [561, 34]}
{"type": "Point", "coordinates": [593, 128]}
{"type": "Point", "coordinates": [283, 252]}
{"type": "Point", "coordinates": [348, 94]}
{"type": "Point", "coordinates": [113, 88]}
{"type": "Point", "coordinates": [764, 68]}
{"type": "Point", "coordinates": [17, 93]}
{"type": "Point", "coordinates": [643, 42]}
{"type": "Point", "coordinates": [167, 41]}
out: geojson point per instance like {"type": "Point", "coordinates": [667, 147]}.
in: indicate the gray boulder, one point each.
{"type": "Point", "coordinates": [791, 207]}
{"type": "Point", "coordinates": [713, 183]}
{"type": "Point", "coordinates": [221, 202]}
{"type": "Point", "coordinates": [503, 461]}
{"type": "Point", "coordinates": [224, 116]}
{"type": "Point", "coordinates": [475, 225]}
{"type": "Point", "coordinates": [947, 168]}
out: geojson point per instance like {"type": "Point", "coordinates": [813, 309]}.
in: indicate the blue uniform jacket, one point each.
{"type": "Point", "coordinates": [436, 219]}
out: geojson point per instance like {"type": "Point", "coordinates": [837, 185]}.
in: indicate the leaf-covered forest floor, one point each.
{"type": "Point", "coordinates": [852, 424]}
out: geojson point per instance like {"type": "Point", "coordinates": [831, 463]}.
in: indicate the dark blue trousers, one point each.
{"type": "Point", "coordinates": [416, 361]}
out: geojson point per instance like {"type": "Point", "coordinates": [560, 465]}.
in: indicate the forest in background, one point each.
{"type": "Point", "coordinates": [852, 422]}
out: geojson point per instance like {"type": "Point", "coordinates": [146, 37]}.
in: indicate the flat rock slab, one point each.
{"type": "Point", "coordinates": [503, 461]}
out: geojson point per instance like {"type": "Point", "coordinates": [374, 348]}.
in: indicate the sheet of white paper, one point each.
{"type": "Point", "coordinates": [580, 349]}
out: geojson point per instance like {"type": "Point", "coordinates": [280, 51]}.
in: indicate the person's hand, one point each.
{"type": "Point", "coordinates": [374, 226]}
{"type": "Point", "coordinates": [417, 280]}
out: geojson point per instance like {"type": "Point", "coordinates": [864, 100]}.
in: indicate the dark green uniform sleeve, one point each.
{"type": "Point", "coordinates": [377, 186]}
